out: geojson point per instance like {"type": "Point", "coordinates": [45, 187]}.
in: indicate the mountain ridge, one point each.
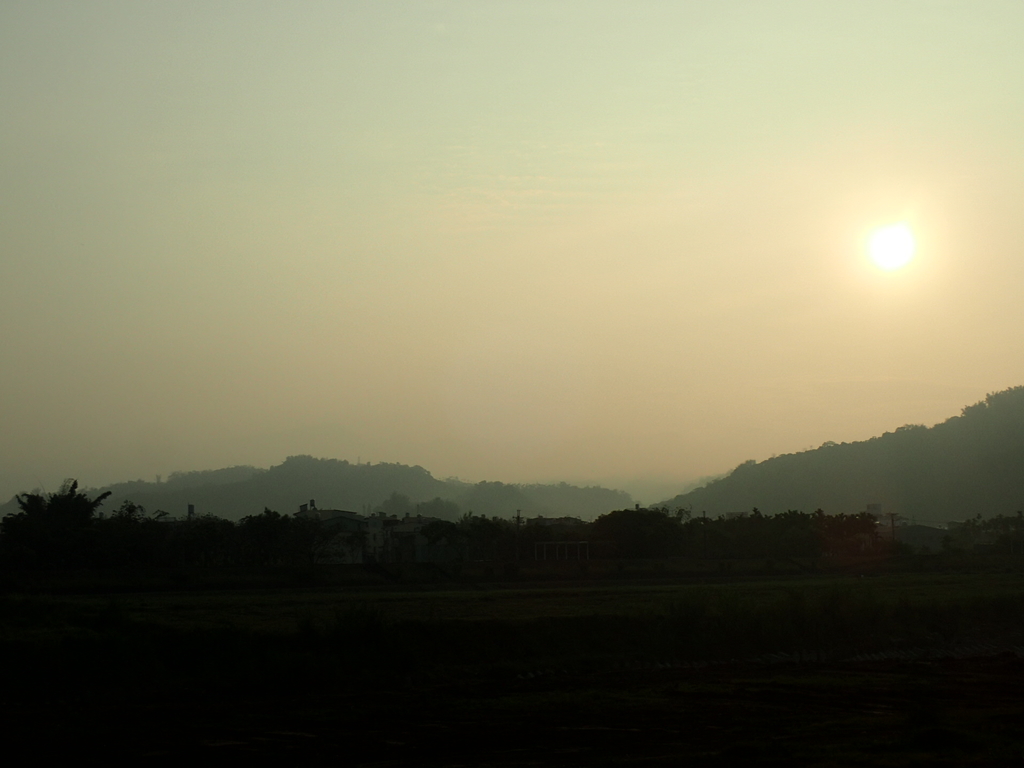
{"type": "Point", "coordinates": [967, 465]}
{"type": "Point", "coordinates": [235, 492]}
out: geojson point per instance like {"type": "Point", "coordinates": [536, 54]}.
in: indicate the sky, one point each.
{"type": "Point", "coordinates": [599, 242]}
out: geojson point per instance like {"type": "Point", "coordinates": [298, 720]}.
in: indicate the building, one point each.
{"type": "Point", "coordinates": [379, 538]}
{"type": "Point", "coordinates": [351, 530]}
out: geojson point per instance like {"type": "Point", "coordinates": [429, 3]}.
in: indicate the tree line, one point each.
{"type": "Point", "coordinates": [67, 530]}
{"type": "Point", "coordinates": [236, 492]}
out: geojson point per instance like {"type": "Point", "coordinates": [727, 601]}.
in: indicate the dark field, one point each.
{"type": "Point", "coordinates": [893, 669]}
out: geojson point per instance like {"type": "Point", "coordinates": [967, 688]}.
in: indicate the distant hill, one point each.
{"type": "Point", "coordinates": [235, 492]}
{"type": "Point", "coordinates": [968, 465]}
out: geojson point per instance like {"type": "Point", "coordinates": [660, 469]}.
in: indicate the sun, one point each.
{"type": "Point", "coordinates": [892, 247]}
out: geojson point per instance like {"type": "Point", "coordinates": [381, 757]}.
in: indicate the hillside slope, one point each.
{"type": "Point", "coordinates": [968, 465]}
{"type": "Point", "coordinates": [236, 492]}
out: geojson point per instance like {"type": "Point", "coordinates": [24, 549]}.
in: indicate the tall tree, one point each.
{"type": "Point", "coordinates": [52, 531]}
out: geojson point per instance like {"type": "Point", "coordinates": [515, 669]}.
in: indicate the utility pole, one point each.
{"type": "Point", "coordinates": [704, 530]}
{"type": "Point", "coordinates": [519, 522]}
{"type": "Point", "coordinates": [892, 523]}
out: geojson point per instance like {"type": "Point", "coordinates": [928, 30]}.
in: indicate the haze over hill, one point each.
{"type": "Point", "coordinates": [968, 465]}
{"type": "Point", "coordinates": [535, 241]}
{"type": "Point", "coordinates": [235, 492]}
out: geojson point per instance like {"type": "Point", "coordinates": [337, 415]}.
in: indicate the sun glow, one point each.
{"type": "Point", "coordinates": [892, 247]}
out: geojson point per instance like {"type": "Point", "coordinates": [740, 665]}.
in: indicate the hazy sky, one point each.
{"type": "Point", "coordinates": [597, 241]}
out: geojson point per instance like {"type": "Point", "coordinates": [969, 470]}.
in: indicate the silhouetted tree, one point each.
{"type": "Point", "coordinates": [439, 508]}
{"type": "Point", "coordinates": [129, 538]}
{"type": "Point", "coordinates": [53, 531]}
{"type": "Point", "coordinates": [203, 541]}
{"type": "Point", "coordinates": [639, 533]}
{"type": "Point", "coordinates": [397, 504]}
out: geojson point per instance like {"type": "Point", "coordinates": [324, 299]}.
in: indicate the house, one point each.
{"type": "Point", "coordinates": [351, 530]}
{"type": "Point", "coordinates": [406, 543]}
{"type": "Point", "coordinates": [378, 538]}
{"type": "Point", "coordinates": [565, 522]}
{"type": "Point", "coordinates": [921, 538]}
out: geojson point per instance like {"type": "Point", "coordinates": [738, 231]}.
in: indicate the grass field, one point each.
{"type": "Point", "coordinates": [281, 611]}
{"type": "Point", "coordinates": [891, 669]}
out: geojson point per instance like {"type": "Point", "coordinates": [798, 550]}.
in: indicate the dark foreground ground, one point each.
{"type": "Point", "coordinates": [949, 712]}
{"type": "Point", "coordinates": [901, 670]}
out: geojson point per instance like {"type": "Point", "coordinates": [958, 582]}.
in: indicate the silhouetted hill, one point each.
{"type": "Point", "coordinates": [178, 480]}
{"type": "Point", "coordinates": [235, 492]}
{"type": "Point", "coordinates": [968, 465]}
{"type": "Point", "coordinates": [564, 500]}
